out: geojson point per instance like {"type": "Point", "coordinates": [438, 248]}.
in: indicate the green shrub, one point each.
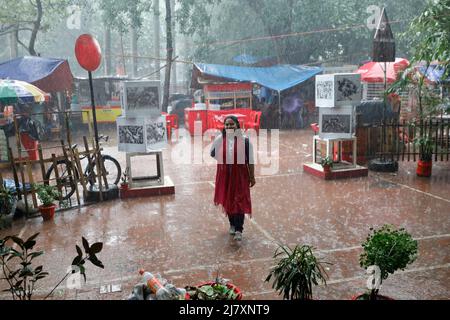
{"type": "Point", "coordinates": [390, 249]}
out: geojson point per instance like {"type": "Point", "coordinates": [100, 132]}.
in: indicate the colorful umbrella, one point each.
{"type": "Point", "coordinates": [14, 91]}
{"type": "Point", "coordinates": [374, 71]}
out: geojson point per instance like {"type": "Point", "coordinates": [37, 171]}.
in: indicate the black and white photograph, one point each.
{"type": "Point", "coordinates": [142, 98]}
{"type": "Point", "coordinates": [131, 134]}
{"type": "Point", "coordinates": [325, 90]}
{"type": "Point", "coordinates": [347, 90]}
{"type": "Point", "coordinates": [336, 123]}
{"type": "Point", "coordinates": [156, 134]}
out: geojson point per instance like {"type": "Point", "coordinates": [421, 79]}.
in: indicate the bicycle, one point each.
{"type": "Point", "coordinates": [111, 165]}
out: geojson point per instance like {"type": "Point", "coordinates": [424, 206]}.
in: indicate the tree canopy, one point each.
{"type": "Point", "coordinates": [291, 31]}
{"type": "Point", "coordinates": [124, 15]}
{"type": "Point", "coordinates": [431, 33]}
{"type": "Point", "coordinates": [26, 18]}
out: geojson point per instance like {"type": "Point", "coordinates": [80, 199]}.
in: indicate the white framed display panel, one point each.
{"type": "Point", "coordinates": [336, 123]}
{"type": "Point", "coordinates": [155, 133]}
{"type": "Point", "coordinates": [131, 134]}
{"type": "Point", "coordinates": [141, 98]}
{"type": "Point", "coordinates": [141, 134]}
{"type": "Point", "coordinates": [337, 90]}
{"type": "Point", "coordinates": [145, 181]}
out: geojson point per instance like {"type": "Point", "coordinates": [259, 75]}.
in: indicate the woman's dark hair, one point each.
{"type": "Point", "coordinates": [235, 120]}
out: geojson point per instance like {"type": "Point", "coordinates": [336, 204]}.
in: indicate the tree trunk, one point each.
{"type": "Point", "coordinates": [174, 42]}
{"type": "Point", "coordinates": [14, 53]}
{"type": "Point", "coordinates": [157, 28]}
{"type": "Point", "coordinates": [134, 52]}
{"type": "Point", "coordinates": [256, 6]}
{"type": "Point", "coordinates": [123, 54]}
{"type": "Point", "coordinates": [287, 48]}
{"type": "Point", "coordinates": [169, 49]}
{"type": "Point", "coordinates": [108, 65]}
{"type": "Point", "coordinates": [36, 27]}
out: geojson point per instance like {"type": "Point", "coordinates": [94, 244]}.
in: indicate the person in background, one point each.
{"type": "Point", "coordinates": [235, 174]}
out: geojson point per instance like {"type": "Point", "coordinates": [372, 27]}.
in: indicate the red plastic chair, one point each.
{"type": "Point", "coordinates": [255, 120]}
{"type": "Point", "coordinates": [171, 123]}
{"type": "Point", "coordinates": [174, 120]}
{"type": "Point", "coordinates": [315, 128]}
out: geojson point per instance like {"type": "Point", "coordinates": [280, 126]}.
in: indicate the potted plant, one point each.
{"type": "Point", "coordinates": [425, 163]}
{"type": "Point", "coordinates": [8, 203]}
{"type": "Point", "coordinates": [389, 249]}
{"type": "Point", "coordinates": [297, 272]}
{"type": "Point", "coordinates": [220, 289]}
{"type": "Point", "coordinates": [125, 177]}
{"type": "Point", "coordinates": [327, 164]}
{"type": "Point", "coordinates": [47, 195]}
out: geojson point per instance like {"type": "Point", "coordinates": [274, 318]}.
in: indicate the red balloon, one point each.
{"type": "Point", "coordinates": [88, 52]}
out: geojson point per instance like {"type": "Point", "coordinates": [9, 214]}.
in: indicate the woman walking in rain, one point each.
{"type": "Point", "coordinates": [235, 174]}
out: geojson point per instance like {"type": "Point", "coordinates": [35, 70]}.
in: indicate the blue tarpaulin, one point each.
{"type": "Point", "coordinates": [48, 74]}
{"type": "Point", "coordinates": [435, 73]}
{"type": "Point", "coordinates": [279, 77]}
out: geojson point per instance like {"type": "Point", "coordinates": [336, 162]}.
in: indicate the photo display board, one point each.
{"type": "Point", "coordinates": [336, 123]}
{"type": "Point", "coordinates": [141, 134]}
{"type": "Point", "coordinates": [337, 90]}
{"type": "Point", "coordinates": [141, 98]}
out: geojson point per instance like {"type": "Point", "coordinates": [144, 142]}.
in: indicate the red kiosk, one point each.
{"type": "Point", "coordinates": [220, 99]}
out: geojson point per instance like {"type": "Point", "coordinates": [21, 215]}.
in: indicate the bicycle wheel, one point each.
{"type": "Point", "coordinates": [67, 183]}
{"type": "Point", "coordinates": [112, 168]}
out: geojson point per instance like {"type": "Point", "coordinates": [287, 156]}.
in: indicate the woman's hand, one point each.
{"type": "Point", "coordinates": [251, 174]}
{"type": "Point", "coordinates": [252, 181]}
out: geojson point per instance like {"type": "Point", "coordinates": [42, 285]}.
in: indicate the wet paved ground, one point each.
{"type": "Point", "coordinates": [184, 237]}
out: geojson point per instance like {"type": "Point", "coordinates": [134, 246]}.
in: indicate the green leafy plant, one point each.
{"type": "Point", "coordinates": [297, 272]}
{"type": "Point", "coordinates": [47, 194]}
{"type": "Point", "coordinates": [425, 148]}
{"type": "Point", "coordinates": [327, 161]}
{"type": "Point", "coordinates": [7, 199]}
{"type": "Point", "coordinates": [390, 249]}
{"type": "Point", "coordinates": [125, 176]}
{"type": "Point", "coordinates": [214, 291]}
{"type": "Point", "coordinates": [21, 279]}
{"type": "Point", "coordinates": [428, 36]}
{"type": "Point", "coordinates": [79, 261]}
{"type": "Point", "coordinates": [21, 275]}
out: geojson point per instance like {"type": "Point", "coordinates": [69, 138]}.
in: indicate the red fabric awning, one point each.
{"type": "Point", "coordinates": [60, 79]}
{"type": "Point", "coordinates": [374, 71]}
